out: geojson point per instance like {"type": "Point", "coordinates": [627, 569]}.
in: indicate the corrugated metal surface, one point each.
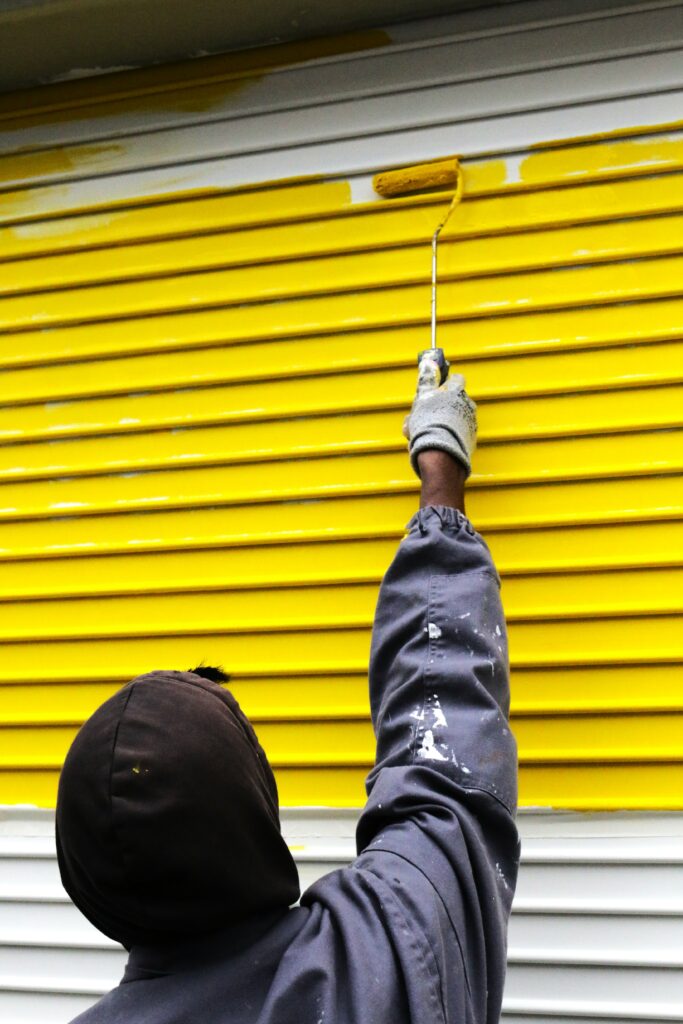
{"type": "Point", "coordinates": [596, 931]}
{"type": "Point", "coordinates": [160, 503]}
{"type": "Point", "coordinates": [203, 387]}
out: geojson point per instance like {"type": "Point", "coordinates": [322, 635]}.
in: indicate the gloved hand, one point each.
{"type": "Point", "coordinates": [441, 417]}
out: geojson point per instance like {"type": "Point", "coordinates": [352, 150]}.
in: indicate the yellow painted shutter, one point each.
{"type": "Point", "coordinates": [201, 455]}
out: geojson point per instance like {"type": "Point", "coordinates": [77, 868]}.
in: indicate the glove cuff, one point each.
{"type": "Point", "coordinates": [441, 439]}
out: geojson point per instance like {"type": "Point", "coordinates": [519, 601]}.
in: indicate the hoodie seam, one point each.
{"type": "Point", "coordinates": [422, 948]}
{"type": "Point", "coordinates": [439, 897]}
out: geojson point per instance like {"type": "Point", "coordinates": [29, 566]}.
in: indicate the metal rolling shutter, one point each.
{"type": "Point", "coordinates": [204, 378]}
{"type": "Point", "coordinates": [595, 933]}
{"type": "Point", "coordinates": [201, 454]}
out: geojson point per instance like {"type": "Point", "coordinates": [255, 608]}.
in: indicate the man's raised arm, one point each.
{"type": "Point", "coordinates": [442, 794]}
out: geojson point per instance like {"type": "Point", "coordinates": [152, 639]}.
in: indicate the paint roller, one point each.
{"type": "Point", "coordinates": [423, 178]}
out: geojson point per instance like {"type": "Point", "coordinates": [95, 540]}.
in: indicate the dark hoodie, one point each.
{"type": "Point", "coordinates": [167, 814]}
{"type": "Point", "coordinates": [168, 833]}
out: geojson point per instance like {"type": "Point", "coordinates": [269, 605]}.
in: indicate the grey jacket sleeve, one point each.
{"type": "Point", "coordinates": [438, 828]}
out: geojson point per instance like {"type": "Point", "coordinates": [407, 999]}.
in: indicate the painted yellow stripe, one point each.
{"type": "Point", "coordinates": [524, 508]}
{"type": "Point", "coordinates": [575, 203]}
{"type": "Point", "coordinates": [559, 692]}
{"type": "Point", "coordinates": [230, 228]}
{"type": "Point", "coordinates": [351, 434]}
{"type": "Point", "coordinates": [128, 539]}
{"type": "Point", "coordinates": [595, 593]}
{"type": "Point", "coordinates": [342, 577]}
{"type": "Point", "coordinates": [175, 217]}
{"type": "Point", "coordinates": [365, 276]}
{"type": "Point", "coordinates": [597, 547]}
{"type": "Point", "coordinates": [154, 531]}
{"type": "Point", "coordinates": [537, 373]}
{"type": "Point", "coordinates": [546, 491]}
{"type": "Point", "coordinates": [316, 651]}
{"type": "Point", "coordinates": [627, 786]}
{"type": "Point", "coordinates": [603, 641]}
{"type": "Point", "coordinates": [610, 159]}
{"type": "Point", "coordinates": [568, 690]}
{"type": "Point", "coordinates": [260, 226]}
{"type": "Point", "coordinates": [356, 238]}
{"type": "Point", "coordinates": [616, 157]}
{"type": "Point", "coordinates": [325, 646]}
{"type": "Point", "coordinates": [568, 392]}
{"type": "Point", "coordinates": [347, 599]}
{"type": "Point", "coordinates": [224, 456]}
{"type": "Point", "coordinates": [225, 566]}
{"type": "Point", "coordinates": [313, 697]}
{"type": "Point", "coordinates": [483, 337]}
{"type": "Point", "coordinates": [351, 743]}
{"type": "Point", "coordinates": [238, 610]}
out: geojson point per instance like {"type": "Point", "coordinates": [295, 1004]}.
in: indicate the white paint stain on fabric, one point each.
{"type": "Point", "coordinates": [498, 632]}
{"type": "Point", "coordinates": [439, 719]}
{"type": "Point", "coordinates": [428, 751]}
{"type": "Point", "coordinates": [434, 631]}
{"type": "Point", "coordinates": [501, 876]}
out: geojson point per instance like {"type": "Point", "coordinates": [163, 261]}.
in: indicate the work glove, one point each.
{"type": "Point", "coordinates": [441, 417]}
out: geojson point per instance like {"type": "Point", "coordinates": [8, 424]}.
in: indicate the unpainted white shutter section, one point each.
{"type": "Point", "coordinates": [475, 92]}
{"type": "Point", "coordinates": [451, 78]}
{"type": "Point", "coordinates": [596, 932]}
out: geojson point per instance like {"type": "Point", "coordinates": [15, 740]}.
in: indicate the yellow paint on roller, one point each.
{"type": "Point", "coordinates": [419, 178]}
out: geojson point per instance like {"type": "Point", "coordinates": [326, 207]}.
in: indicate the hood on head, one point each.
{"type": "Point", "coordinates": [167, 814]}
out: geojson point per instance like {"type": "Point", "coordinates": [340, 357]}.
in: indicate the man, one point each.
{"type": "Point", "coordinates": [167, 817]}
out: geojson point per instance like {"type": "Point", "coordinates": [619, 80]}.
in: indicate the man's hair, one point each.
{"type": "Point", "coordinates": [214, 673]}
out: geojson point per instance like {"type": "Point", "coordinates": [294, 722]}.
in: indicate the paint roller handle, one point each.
{"type": "Point", "coordinates": [437, 356]}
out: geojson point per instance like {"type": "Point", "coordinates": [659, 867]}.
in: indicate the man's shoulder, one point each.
{"type": "Point", "coordinates": [106, 1010]}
